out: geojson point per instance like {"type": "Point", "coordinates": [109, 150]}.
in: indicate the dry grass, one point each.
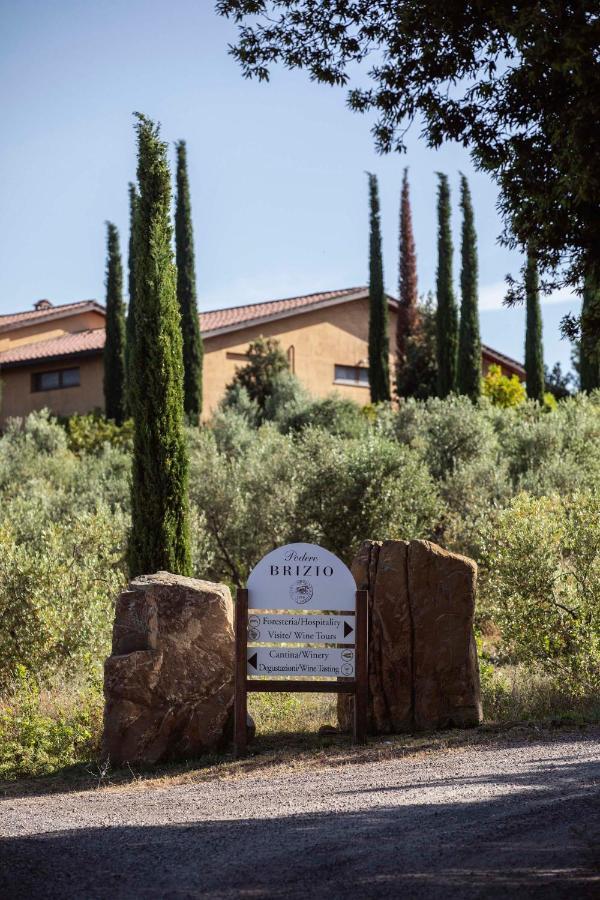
{"type": "Point", "coordinates": [49, 740]}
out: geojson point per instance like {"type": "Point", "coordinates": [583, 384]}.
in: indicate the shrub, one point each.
{"type": "Point", "coordinates": [246, 500]}
{"type": "Point", "coordinates": [350, 490]}
{"type": "Point", "coordinates": [552, 453]}
{"type": "Point", "coordinates": [502, 390]}
{"type": "Point", "coordinates": [334, 414]}
{"type": "Point", "coordinates": [90, 433]}
{"type": "Point", "coordinates": [448, 433]}
{"type": "Point", "coordinates": [58, 581]}
{"type": "Point", "coordinates": [43, 730]}
{"type": "Point", "coordinates": [541, 585]}
{"type": "Point", "coordinates": [287, 398]}
{"type": "Point", "coordinates": [266, 361]}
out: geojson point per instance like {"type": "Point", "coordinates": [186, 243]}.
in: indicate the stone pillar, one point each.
{"type": "Point", "coordinates": [169, 681]}
{"type": "Point", "coordinates": [423, 670]}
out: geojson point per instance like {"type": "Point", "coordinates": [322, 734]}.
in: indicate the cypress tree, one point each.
{"type": "Point", "coordinates": [589, 346]}
{"type": "Point", "coordinates": [114, 348]}
{"type": "Point", "coordinates": [159, 536]}
{"type": "Point", "coordinates": [469, 341]}
{"type": "Point", "coordinates": [379, 341]}
{"type": "Point", "coordinates": [534, 352]}
{"type": "Point", "coordinates": [408, 315]}
{"type": "Point", "coordinates": [130, 333]}
{"type": "Point", "coordinates": [447, 313]}
{"type": "Point", "coordinates": [186, 292]}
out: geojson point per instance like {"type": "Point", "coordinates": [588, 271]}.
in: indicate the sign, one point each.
{"type": "Point", "coordinates": [298, 578]}
{"type": "Point", "coordinates": [307, 661]}
{"type": "Point", "coordinates": [301, 576]}
{"type": "Point", "coordinates": [269, 628]}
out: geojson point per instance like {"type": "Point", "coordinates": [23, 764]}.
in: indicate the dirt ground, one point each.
{"type": "Point", "coordinates": [516, 817]}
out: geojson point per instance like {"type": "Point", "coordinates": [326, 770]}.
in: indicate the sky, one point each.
{"type": "Point", "coordinates": [277, 170]}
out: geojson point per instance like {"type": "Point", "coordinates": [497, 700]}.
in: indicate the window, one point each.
{"type": "Point", "coordinates": [53, 381]}
{"type": "Point", "coordinates": [357, 376]}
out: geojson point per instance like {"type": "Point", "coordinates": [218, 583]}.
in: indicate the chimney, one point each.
{"type": "Point", "coordinates": [43, 304]}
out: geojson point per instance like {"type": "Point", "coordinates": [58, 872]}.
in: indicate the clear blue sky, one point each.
{"type": "Point", "coordinates": [279, 192]}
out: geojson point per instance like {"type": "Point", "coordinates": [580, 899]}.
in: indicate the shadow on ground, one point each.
{"type": "Point", "coordinates": [538, 841]}
{"type": "Point", "coordinates": [276, 750]}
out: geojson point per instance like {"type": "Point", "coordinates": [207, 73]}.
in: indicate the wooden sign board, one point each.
{"type": "Point", "coordinates": [301, 576]}
{"type": "Point", "coordinates": [319, 662]}
{"type": "Point", "coordinates": [297, 578]}
{"type": "Point", "coordinates": [267, 628]}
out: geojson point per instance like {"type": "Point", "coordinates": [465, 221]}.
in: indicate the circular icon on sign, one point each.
{"type": "Point", "coordinates": [347, 669]}
{"type": "Point", "coordinates": [254, 620]}
{"type": "Point", "coordinates": [301, 592]}
{"type": "Point", "coordinates": [253, 634]}
{"type": "Point", "coordinates": [347, 654]}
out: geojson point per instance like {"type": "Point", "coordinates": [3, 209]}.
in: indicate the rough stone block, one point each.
{"type": "Point", "coordinates": [169, 681]}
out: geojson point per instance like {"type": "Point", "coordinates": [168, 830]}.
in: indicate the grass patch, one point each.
{"type": "Point", "coordinates": [52, 735]}
{"type": "Point", "coordinates": [513, 694]}
{"type": "Point", "coordinates": [292, 713]}
{"type": "Point", "coordinates": [43, 730]}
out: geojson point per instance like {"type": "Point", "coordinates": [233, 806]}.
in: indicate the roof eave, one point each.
{"type": "Point", "coordinates": [58, 357]}
{"type": "Point", "coordinates": [363, 294]}
{"type": "Point", "coordinates": [503, 358]}
{"type": "Point", "coordinates": [53, 314]}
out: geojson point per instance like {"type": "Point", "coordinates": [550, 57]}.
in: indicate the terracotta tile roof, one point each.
{"type": "Point", "coordinates": [47, 313]}
{"type": "Point", "coordinates": [502, 358]}
{"type": "Point", "coordinates": [78, 342]}
{"type": "Point", "coordinates": [236, 316]}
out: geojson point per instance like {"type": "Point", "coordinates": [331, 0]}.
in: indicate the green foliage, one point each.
{"type": "Point", "coordinates": [447, 313]}
{"type": "Point", "coordinates": [287, 399]}
{"type": "Point", "coordinates": [351, 490]}
{"type": "Point", "coordinates": [558, 383]}
{"type": "Point", "coordinates": [407, 320]}
{"type": "Point", "coordinates": [63, 525]}
{"type": "Point", "coordinates": [114, 348]}
{"type": "Point", "coordinates": [193, 350]}
{"type": "Point", "coordinates": [266, 362]}
{"type": "Point", "coordinates": [541, 585]}
{"type": "Point", "coordinates": [130, 322]}
{"type": "Point", "coordinates": [89, 433]}
{"type": "Point", "coordinates": [57, 585]}
{"type": "Point", "coordinates": [517, 83]}
{"type": "Point", "coordinates": [333, 414]}
{"type": "Point", "coordinates": [159, 536]}
{"type": "Point", "coordinates": [447, 469]}
{"type": "Point", "coordinates": [589, 345]}
{"type": "Point", "coordinates": [246, 497]}
{"type": "Point", "coordinates": [418, 376]}
{"type": "Point", "coordinates": [318, 487]}
{"type": "Point", "coordinates": [379, 340]}
{"type": "Point", "coordinates": [469, 341]}
{"type": "Point", "coordinates": [44, 730]}
{"type": "Point", "coordinates": [501, 390]}
{"type": "Point", "coordinates": [534, 351]}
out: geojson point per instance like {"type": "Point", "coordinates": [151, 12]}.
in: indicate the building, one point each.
{"type": "Point", "coordinates": [51, 356]}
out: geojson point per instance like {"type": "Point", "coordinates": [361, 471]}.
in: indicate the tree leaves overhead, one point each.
{"type": "Point", "coordinates": [517, 82]}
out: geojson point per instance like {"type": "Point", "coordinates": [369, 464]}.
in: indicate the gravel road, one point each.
{"type": "Point", "coordinates": [506, 819]}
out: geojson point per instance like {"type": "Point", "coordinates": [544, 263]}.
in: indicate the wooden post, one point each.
{"type": "Point", "coordinates": [240, 725]}
{"type": "Point", "coordinates": [361, 696]}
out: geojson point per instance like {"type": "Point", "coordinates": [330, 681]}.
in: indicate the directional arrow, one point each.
{"type": "Point", "coordinates": [252, 660]}
{"type": "Point", "coordinates": [348, 629]}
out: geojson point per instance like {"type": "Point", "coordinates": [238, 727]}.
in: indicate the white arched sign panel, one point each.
{"type": "Point", "coordinates": [301, 577]}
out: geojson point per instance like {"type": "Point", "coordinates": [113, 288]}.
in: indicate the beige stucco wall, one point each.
{"type": "Point", "coordinates": [45, 331]}
{"type": "Point", "coordinates": [17, 398]}
{"type": "Point", "coordinates": [320, 339]}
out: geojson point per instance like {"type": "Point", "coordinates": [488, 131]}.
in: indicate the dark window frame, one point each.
{"type": "Point", "coordinates": [349, 382]}
{"type": "Point", "coordinates": [36, 379]}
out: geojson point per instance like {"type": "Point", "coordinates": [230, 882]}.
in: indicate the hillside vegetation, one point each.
{"type": "Point", "coordinates": [517, 489]}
